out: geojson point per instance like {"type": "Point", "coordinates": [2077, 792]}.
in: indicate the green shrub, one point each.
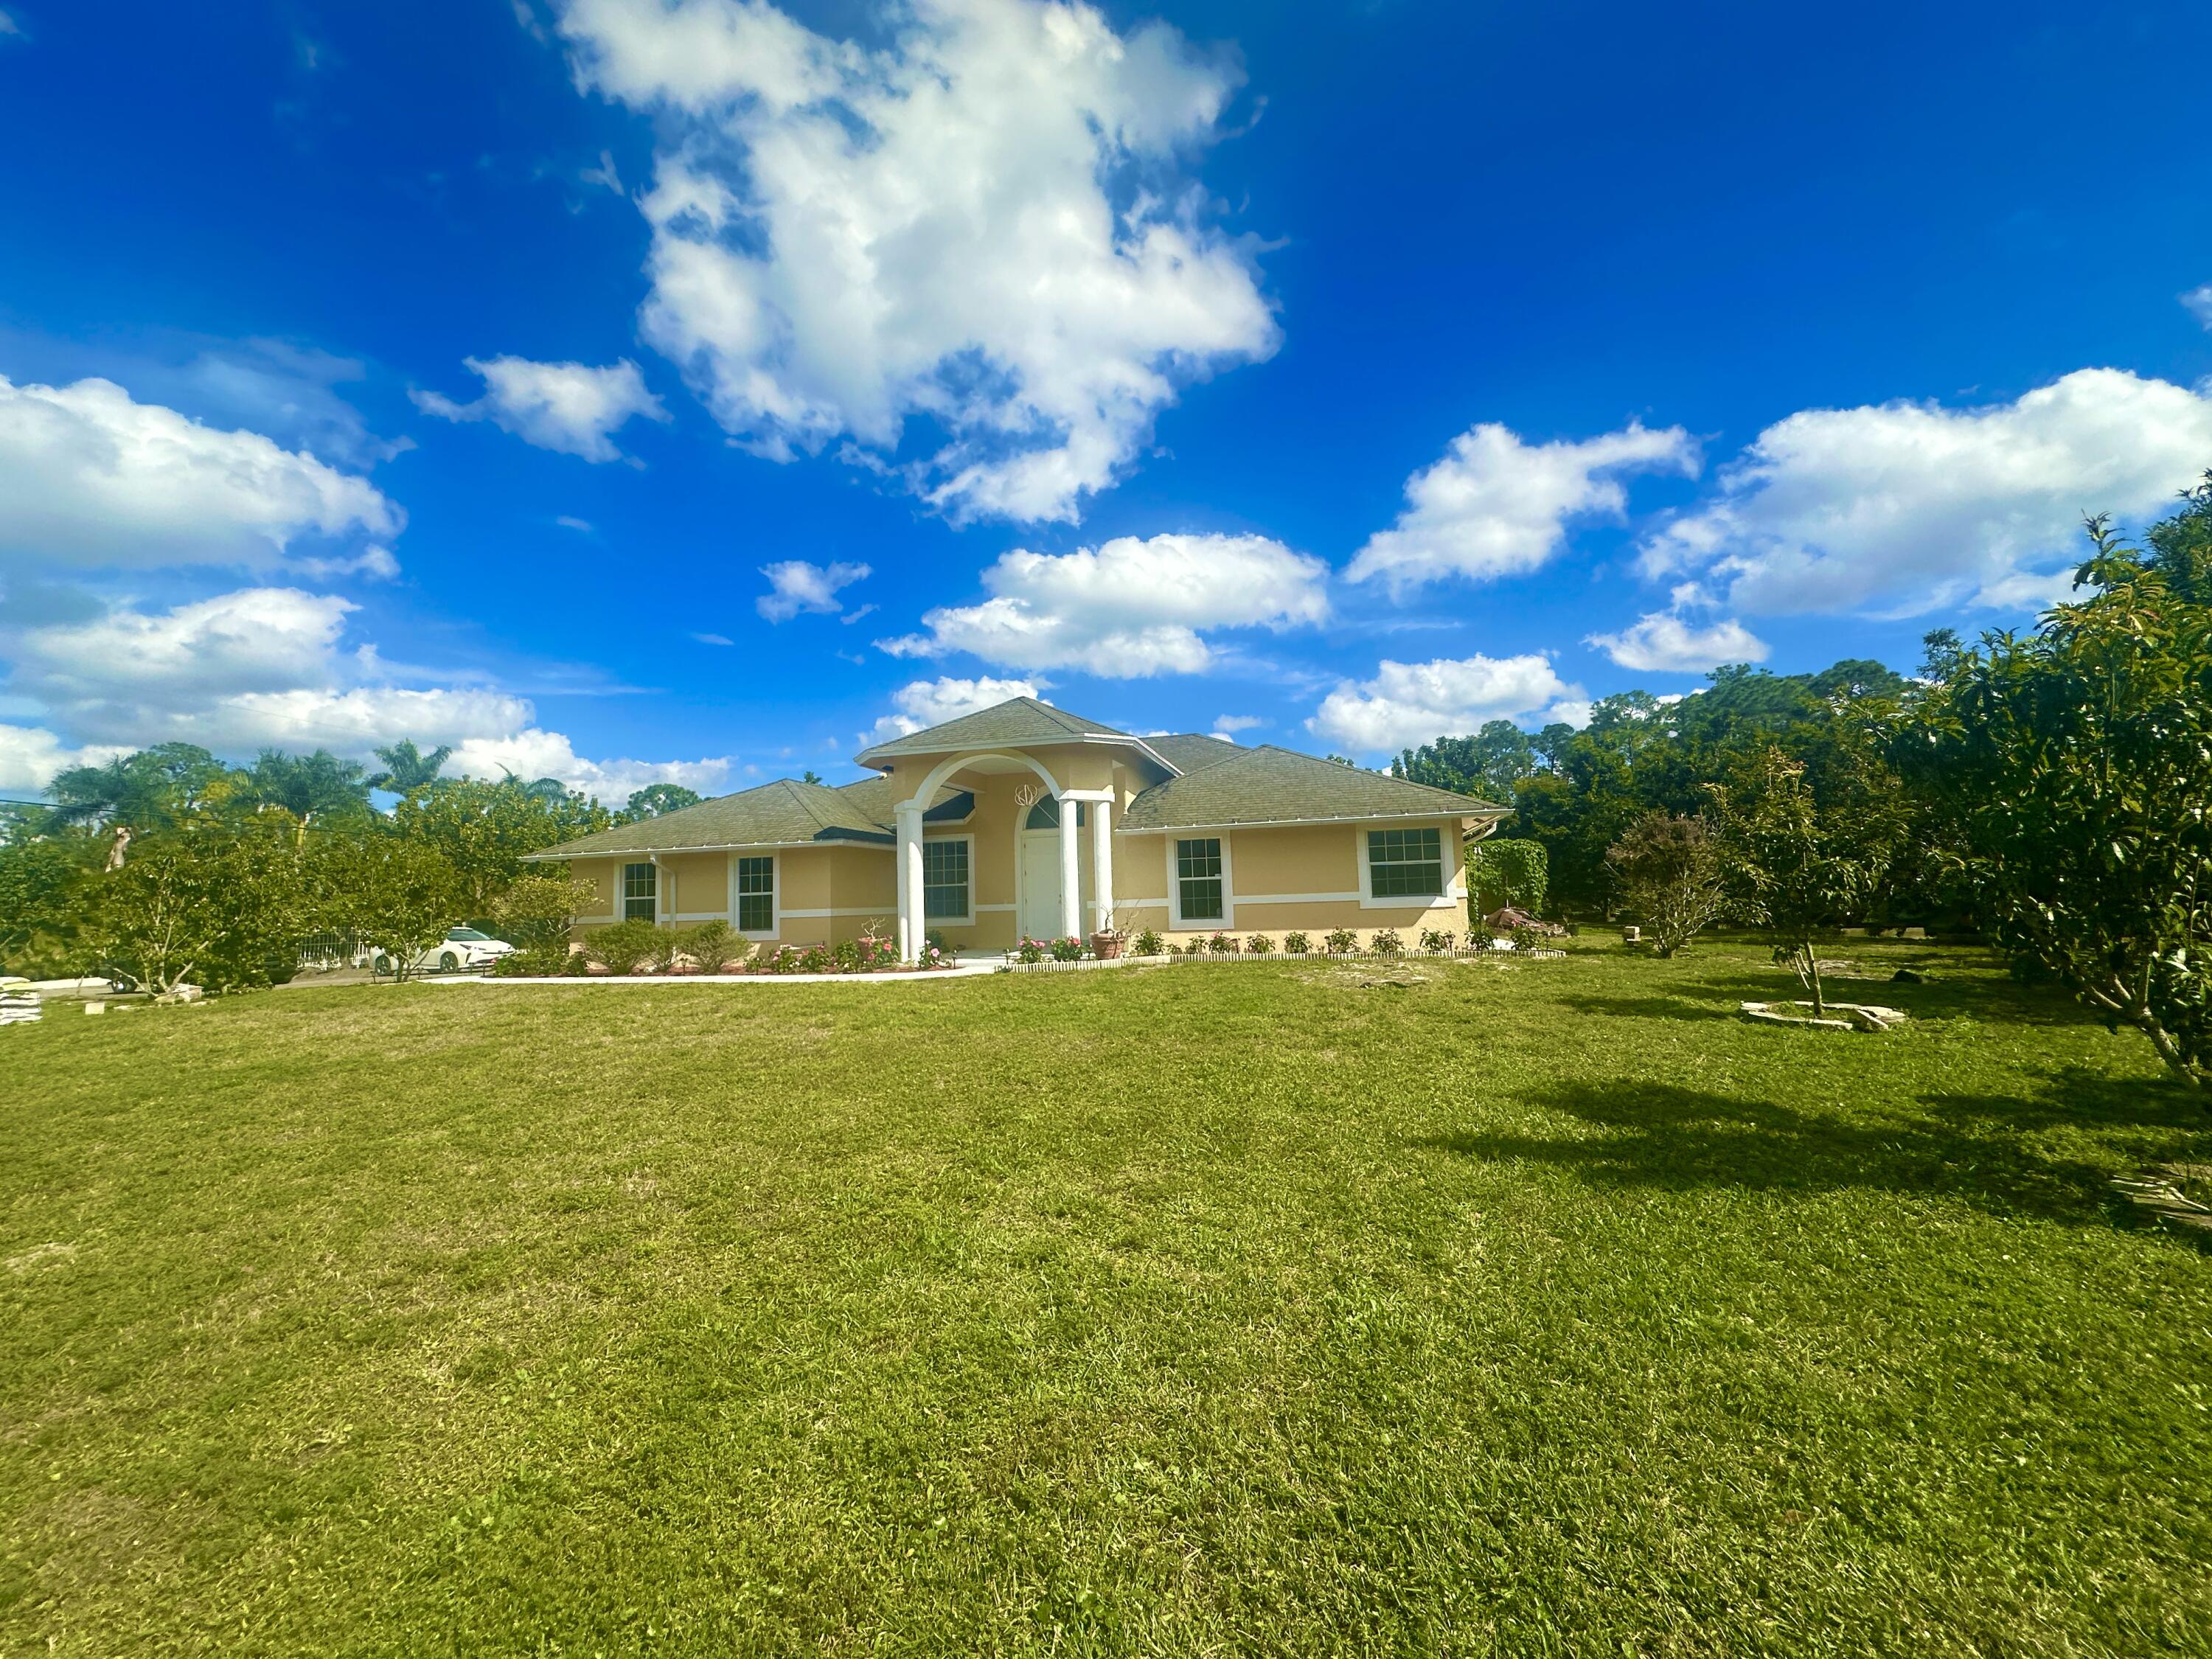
{"type": "Point", "coordinates": [1297, 944]}
{"type": "Point", "coordinates": [1068, 950]}
{"type": "Point", "coordinates": [1340, 941]}
{"type": "Point", "coordinates": [713, 945]}
{"type": "Point", "coordinates": [538, 961]}
{"type": "Point", "coordinates": [626, 947]}
{"type": "Point", "coordinates": [1221, 944]}
{"type": "Point", "coordinates": [1148, 943]}
{"type": "Point", "coordinates": [1436, 940]}
{"type": "Point", "coordinates": [1030, 949]}
{"type": "Point", "coordinates": [1386, 943]}
{"type": "Point", "coordinates": [1502, 873]}
{"type": "Point", "coordinates": [1259, 945]}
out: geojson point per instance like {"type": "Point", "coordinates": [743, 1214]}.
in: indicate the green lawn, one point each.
{"type": "Point", "coordinates": [1253, 1309]}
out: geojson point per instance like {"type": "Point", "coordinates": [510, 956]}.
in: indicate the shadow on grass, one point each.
{"type": "Point", "coordinates": [1986, 1150]}
{"type": "Point", "coordinates": [1716, 994]}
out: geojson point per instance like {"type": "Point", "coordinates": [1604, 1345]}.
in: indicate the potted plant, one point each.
{"type": "Point", "coordinates": [1106, 943]}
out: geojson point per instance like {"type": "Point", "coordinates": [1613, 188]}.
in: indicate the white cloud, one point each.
{"type": "Point", "coordinates": [1494, 506]}
{"type": "Point", "coordinates": [371, 563]}
{"type": "Point", "coordinates": [1129, 608]}
{"type": "Point", "coordinates": [988, 223]}
{"type": "Point", "coordinates": [270, 667]}
{"type": "Point", "coordinates": [30, 756]}
{"type": "Point", "coordinates": [537, 753]}
{"type": "Point", "coordinates": [1228, 725]}
{"type": "Point", "coordinates": [1415, 702]}
{"type": "Point", "coordinates": [90, 476]}
{"type": "Point", "coordinates": [569, 407]}
{"type": "Point", "coordinates": [2199, 302]}
{"type": "Point", "coordinates": [1673, 641]}
{"type": "Point", "coordinates": [1906, 507]}
{"type": "Point", "coordinates": [8, 25]}
{"type": "Point", "coordinates": [795, 586]}
{"type": "Point", "coordinates": [925, 703]}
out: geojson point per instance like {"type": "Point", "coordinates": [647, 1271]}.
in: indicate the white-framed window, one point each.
{"type": "Point", "coordinates": [641, 891]}
{"type": "Point", "coordinates": [1199, 882]}
{"type": "Point", "coordinates": [1045, 814]}
{"type": "Point", "coordinates": [754, 894]}
{"type": "Point", "coordinates": [948, 874]}
{"type": "Point", "coordinates": [1404, 867]}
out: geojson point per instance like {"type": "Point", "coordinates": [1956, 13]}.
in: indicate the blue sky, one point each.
{"type": "Point", "coordinates": [538, 377]}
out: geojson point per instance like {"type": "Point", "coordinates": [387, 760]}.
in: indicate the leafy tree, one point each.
{"type": "Point", "coordinates": [656, 798]}
{"type": "Point", "coordinates": [812, 776]}
{"type": "Point", "coordinates": [219, 905]}
{"type": "Point", "coordinates": [1788, 868]}
{"type": "Point", "coordinates": [2181, 547]}
{"type": "Point", "coordinates": [1670, 872]}
{"type": "Point", "coordinates": [42, 894]}
{"type": "Point", "coordinates": [407, 769]}
{"type": "Point", "coordinates": [1502, 873]}
{"type": "Point", "coordinates": [484, 829]}
{"type": "Point", "coordinates": [2079, 763]}
{"type": "Point", "coordinates": [308, 787]}
{"type": "Point", "coordinates": [1486, 765]}
{"type": "Point", "coordinates": [541, 908]}
{"type": "Point", "coordinates": [153, 789]}
{"type": "Point", "coordinates": [396, 894]}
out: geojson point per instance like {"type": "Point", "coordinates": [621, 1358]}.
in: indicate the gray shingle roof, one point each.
{"type": "Point", "coordinates": [1268, 785]}
{"type": "Point", "coordinates": [779, 814]}
{"type": "Point", "coordinates": [1191, 751]}
{"type": "Point", "coordinates": [1016, 720]}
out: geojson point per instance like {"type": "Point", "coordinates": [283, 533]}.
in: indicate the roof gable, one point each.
{"type": "Point", "coordinates": [1016, 721]}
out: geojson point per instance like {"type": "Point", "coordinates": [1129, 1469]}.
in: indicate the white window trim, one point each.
{"type": "Point", "coordinates": [774, 898]}
{"type": "Point", "coordinates": [1454, 892]}
{"type": "Point", "coordinates": [1227, 919]}
{"type": "Point", "coordinates": [622, 888]}
{"type": "Point", "coordinates": [966, 919]}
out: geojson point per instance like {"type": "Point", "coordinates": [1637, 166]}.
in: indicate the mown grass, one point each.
{"type": "Point", "coordinates": [1257, 1309]}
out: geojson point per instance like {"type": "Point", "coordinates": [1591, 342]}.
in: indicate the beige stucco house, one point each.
{"type": "Point", "coordinates": [1025, 819]}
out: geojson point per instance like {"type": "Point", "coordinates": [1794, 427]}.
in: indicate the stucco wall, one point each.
{"type": "Point", "coordinates": [1302, 877]}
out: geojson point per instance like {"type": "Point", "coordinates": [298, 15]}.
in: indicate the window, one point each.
{"type": "Point", "coordinates": [1198, 879]}
{"type": "Point", "coordinates": [1045, 814]}
{"type": "Point", "coordinates": [944, 879]}
{"type": "Point", "coordinates": [756, 896]}
{"type": "Point", "coordinates": [1405, 863]}
{"type": "Point", "coordinates": [640, 885]}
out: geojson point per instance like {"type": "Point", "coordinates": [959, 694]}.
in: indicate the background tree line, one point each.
{"type": "Point", "coordinates": [167, 866]}
{"type": "Point", "coordinates": [2051, 789]}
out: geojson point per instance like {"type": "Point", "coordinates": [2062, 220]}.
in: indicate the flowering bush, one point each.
{"type": "Point", "coordinates": [1297, 944]}
{"type": "Point", "coordinates": [1030, 949]}
{"type": "Point", "coordinates": [1386, 943]}
{"type": "Point", "coordinates": [1068, 950]}
{"type": "Point", "coordinates": [1221, 944]}
{"type": "Point", "coordinates": [1340, 941]}
{"type": "Point", "coordinates": [932, 955]}
{"type": "Point", "coordinates": [1148, 943]}
{"type": "Point", "coordinates": [1436, 939]}
{"type": "Point", "coordinates": [1259, 945]}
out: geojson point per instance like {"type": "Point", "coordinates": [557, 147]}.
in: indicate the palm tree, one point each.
{"type": "Point", "coordinates": [407, 769]}
{"type": "Point", "coordinates": [149, 790]}
{"type": "Point", "coordinates": [306, 785]}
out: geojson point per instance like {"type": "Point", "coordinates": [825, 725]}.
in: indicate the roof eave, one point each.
{"type": "Point", "coordinates": [1488, 814]}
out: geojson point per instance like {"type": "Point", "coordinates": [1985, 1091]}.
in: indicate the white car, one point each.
{"type": "Point", "coordinates": [462, 949]}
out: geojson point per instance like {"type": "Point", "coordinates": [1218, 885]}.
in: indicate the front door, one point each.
{"type": "Point", "coordinates": [1038, 916]}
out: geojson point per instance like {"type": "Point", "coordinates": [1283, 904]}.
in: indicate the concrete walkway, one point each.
{"type": "Point", "coordinates": [966, 970]}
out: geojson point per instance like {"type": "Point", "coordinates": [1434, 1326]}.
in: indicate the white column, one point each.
{"type": "Point", "coordinates": [910, 930]}
{"type": "Point", "coordinates": [1070, 870]}
{"type": "Point", "coordinates": [1102, 863]}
